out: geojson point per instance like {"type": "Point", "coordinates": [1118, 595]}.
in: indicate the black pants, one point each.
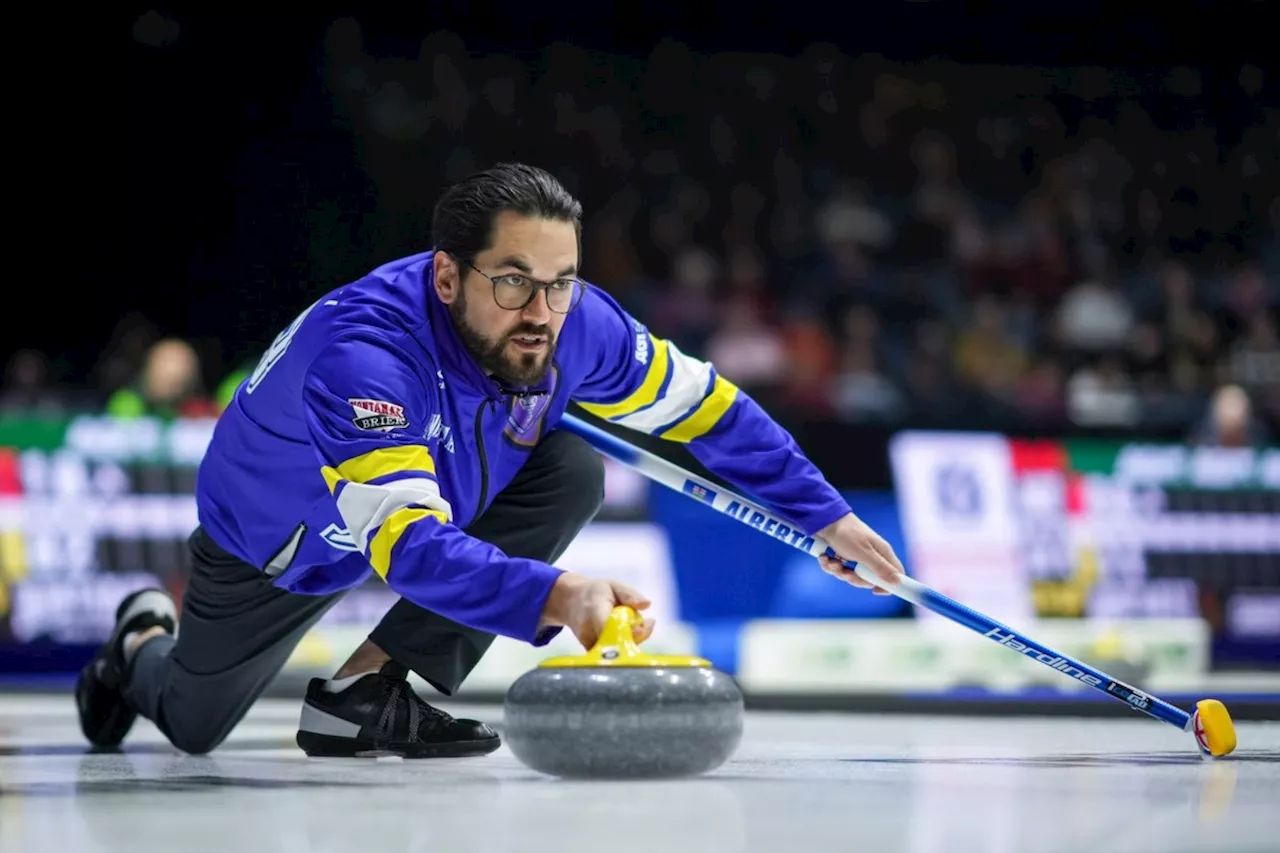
{"type": "Point", "coordinates": [237, 630]}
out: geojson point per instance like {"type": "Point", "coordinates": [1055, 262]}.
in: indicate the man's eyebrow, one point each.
{"type": "Point", "coordinates": [516, 262]}
{"type": "Point", "coordinates": [513, 261]}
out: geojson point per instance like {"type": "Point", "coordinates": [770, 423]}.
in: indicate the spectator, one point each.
{"type": "Point", "coordinates": [844, 273]}
{"type": "Point", "coordinates": [861, 391]}
{"type": "Point", "coordinates": [1101, 394]}
{"type": "Point", "coordinates": [615, 263]}
{"type": "Point", "coordinates": [169, 386]}
{"type": "Point", "coordinates": [1245, 296]}
{"type": "Point", "coordinates": [989, 358]}
{"type": "Point", "coordinates": [1254, 360]}
{"type": "Point", "coordinates": [748, 281]}
{"type": "Point", "coordinates": [1148, 357]}
{"type": "Point", "coordinates": [28, 387]}
{"type": "Point", "coordinates": [811, 363]}
{"type": "Point", "coordinates": [686, 313]}
{"type": "Point", "coordinates": [1176, 304]}
{"type": "Point", "coordinates": [850, 217]}
{"type": "Point", "coordinates": [1095, 317]}
{"type": "Point", "coordinates": [745, 350]}
{"type": "Point", "coordinates": [133, 336]}
{"type": "Point", "coordinates": [1041, 392]}
{"type": "Point", "coordinates": [1230, 421]}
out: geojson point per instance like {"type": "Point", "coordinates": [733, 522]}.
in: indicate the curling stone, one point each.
{"type": "Point", "coordinates": [617, 712]}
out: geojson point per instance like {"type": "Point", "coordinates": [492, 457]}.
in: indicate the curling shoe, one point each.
{"type": "Point", "coordinates": [378, 714]}
{"type": "Point", "coordinates": [105, 717]}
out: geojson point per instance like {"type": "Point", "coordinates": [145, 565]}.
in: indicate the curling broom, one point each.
{"type": "Point", "coordinates": [1210, 724]}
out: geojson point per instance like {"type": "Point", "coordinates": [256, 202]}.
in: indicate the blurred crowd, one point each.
{"type": "Point", "coordinates": [848, 237]}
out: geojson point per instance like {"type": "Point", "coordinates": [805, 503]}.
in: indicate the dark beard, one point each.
{"type": "Point", "coordinates": [492, 356]}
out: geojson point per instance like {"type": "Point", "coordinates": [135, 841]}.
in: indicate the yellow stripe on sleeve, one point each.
{"type": "Point", "coordinates": [379, 463]}
{"type": "Point", "coordinates": [707, 415]}
{"type": "Point", "coordinates": [391, 531]}
{"type": "Point", "coordinates": [643, 396]}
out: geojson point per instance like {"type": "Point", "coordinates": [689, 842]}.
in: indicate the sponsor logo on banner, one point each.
{"type": "Point", "coordinates": [959, 493]}
{"type": "Point", "coordinates": [956, 493]}
{"type": "Point", "coordinates": [377, 415]}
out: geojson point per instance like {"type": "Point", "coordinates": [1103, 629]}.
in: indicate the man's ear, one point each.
{"type": "Point", "coordinates": [445, 277]}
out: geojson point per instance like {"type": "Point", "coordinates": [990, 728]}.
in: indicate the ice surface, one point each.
{"type": "Point", "coordinates": [802, 783]}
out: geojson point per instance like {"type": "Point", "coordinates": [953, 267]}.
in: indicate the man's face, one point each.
{"type": "Point", "coordinates": [514, 346]}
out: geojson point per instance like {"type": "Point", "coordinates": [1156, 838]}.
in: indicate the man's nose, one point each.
{"type": "Point", "coordinates": [538, 311]}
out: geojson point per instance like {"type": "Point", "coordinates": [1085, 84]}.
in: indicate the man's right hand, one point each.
{"type": "Point", "coordinates": [583, 605]}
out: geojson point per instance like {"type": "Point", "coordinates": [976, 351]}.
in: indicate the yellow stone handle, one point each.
{"type": "Point", "coordinates": [617, 637]}
{"type": "Point", "coordinates": [617, 646]}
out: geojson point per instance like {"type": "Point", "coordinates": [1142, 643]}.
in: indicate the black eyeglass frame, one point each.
{"type": "Point", "coordinates": [537, 286]}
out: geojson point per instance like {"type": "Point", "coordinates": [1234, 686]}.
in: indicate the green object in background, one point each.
{"type": "Point", "coordinates": [126, 403]}
{"type": "Point", "coordinates": [1093, 456]}
{"type": "Point", "coordinates": [227, 387]}
{"type": "Point", "coordinates": [34, 433]}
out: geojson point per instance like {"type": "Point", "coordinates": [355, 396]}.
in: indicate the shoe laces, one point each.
{"type": "Point", "coordinates": [399, 693]}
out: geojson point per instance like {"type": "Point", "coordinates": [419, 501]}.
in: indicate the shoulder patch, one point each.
{"type": "Point", "coordinates": [377, 415]}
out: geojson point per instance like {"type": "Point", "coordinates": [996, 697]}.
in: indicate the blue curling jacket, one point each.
{"type": "Point", "coordinates": [368, 437]}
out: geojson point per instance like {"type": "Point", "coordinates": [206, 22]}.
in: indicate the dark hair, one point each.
{"type": "Point", "coordinates": [462, 224]}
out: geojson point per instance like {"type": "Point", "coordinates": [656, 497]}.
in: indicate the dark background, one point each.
{"type": "Point", "coordinates": [177, 177]}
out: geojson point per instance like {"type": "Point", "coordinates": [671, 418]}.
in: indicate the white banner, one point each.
{"type": "Point", "coordinates": [956, 495]}
{"type": "Point", "coordinates": [872, 656]}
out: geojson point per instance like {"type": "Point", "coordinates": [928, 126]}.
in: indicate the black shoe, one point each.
{"type": "Point", "coordinates": [105, 718]}
{"type": "Point", "coordinates": [381, 715]}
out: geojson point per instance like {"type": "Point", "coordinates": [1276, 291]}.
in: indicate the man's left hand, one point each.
{"type": "Point", "coordinates": [855, 542]}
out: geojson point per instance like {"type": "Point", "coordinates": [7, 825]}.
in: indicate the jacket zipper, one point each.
{"type": "Point", "coordinates": [555, 386]}
{"type": "Point", "coordinates": [484, 460]}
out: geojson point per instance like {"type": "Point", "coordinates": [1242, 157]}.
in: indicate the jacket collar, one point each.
{"type": "Point", "coordinates": [456, 361]}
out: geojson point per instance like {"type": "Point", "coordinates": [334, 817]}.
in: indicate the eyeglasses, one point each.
{"type": "Point", "coordinates": [514, 291]}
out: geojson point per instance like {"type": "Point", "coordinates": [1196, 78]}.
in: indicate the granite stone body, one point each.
{"type": "Point", "coordinates": [623, 722]}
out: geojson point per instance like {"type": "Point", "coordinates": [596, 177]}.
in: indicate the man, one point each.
{"type": "Point", "coordinates": [404, 425]}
